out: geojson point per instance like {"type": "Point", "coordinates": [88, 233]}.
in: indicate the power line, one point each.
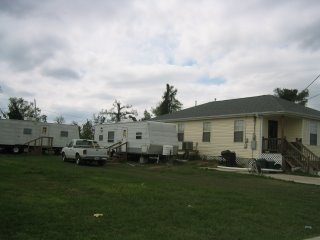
{"type": "Point", "coordinates": [311, 82]}
{"type": "Point", "coordinates": [314, 96]}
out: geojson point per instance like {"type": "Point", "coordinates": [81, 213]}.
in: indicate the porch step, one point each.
{"type": "Point", "coordinates": [290, 162]}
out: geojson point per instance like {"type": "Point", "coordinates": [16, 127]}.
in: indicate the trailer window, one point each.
{"type": "Point", "coordinates": [111, 137]}
{"type": "Point", "coordinates": [100, 137]}
{"type": "Point", "coordinates": [139, 135]}
{"type": "Point", "coordinates": [64, 134]}
{"type": "Point", "coordinates": [27, 131]}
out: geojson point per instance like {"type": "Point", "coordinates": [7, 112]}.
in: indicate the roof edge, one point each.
{"type": "Point", "coordinates": [257, 114]}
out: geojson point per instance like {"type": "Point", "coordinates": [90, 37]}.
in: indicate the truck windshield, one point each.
{"type": "Point", "coordinates": [88, 144]}
{"type": "Point", "coordinates": [84, 143]}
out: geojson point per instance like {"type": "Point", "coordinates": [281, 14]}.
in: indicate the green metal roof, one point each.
{"type": "Point", "coordinates": [261, 105]}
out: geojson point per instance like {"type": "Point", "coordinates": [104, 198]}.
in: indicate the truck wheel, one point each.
{"type": "Point", "coordinates": [78, 159]}
{"type": "Point", "coordinates": [64, 158]}
{"type": "Point", "coordinates": [16, 149]}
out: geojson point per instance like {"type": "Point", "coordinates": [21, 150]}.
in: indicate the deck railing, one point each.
{"type": "Point", "coordinates": [272, 145]}
{"type": "Point", "coordinates": [40, 142]}
{"type": "Point", "coordinates": [313, 161]}
{"type": "Point", "coordinates": [118, 149]}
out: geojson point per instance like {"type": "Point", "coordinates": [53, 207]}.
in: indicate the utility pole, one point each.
{"type": "Point", "coordinates": [35, 109]}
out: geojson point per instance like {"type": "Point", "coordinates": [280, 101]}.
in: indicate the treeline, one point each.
{"type": "Point", "coordinates": [20, 109]}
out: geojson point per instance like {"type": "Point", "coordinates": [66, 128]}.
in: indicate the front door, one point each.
{"type": "Point", "coordinates": [44, 133]}
{"type": "Point", "coordinates": [273, 135]}
{"type": "Point", "coordinates": [272, 129]}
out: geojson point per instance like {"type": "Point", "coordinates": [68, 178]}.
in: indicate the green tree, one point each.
{"type": "Point", "coordinates": [87, 130]}
{"type": "Point", "coordinates": [19, 109]}
{"type": "Point", "coordinates": [169, 102]}
{"type": "Point", "coordinates": [99, 118]}
{"type": "Point", "coordinates": [293, 95]}
{"type": "Point", "coordinates": [119, 112]}
{"type": "Point", "coordinates": [146, 115]}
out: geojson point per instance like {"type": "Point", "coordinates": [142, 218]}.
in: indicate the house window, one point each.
{"type": "Point", "coordinates": [139, 135]}
{"type": "Point", "coordinates": [64, 134]}
{"type": "Point", "coordinates": [27, 131]}
{"type": "Point", "coordinates": [206, 132]}
{"type": "Point", "coordinates": [111, 137]}
{"type": "Point", "coordinates": [238, 131]}
{"type": "Point", "coordinates": [100, 137]}
{"type": "Point", "coordinates": [313, 133]}
{"type": "Point", "coordinates": [180, 132]}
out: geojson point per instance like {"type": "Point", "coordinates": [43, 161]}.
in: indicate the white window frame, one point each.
{"type": "Point", "coordinates": [237, 130]}
{"type": "Point", "coordinates": [110, 140]}
{"type": "Point", "coordinates": [206, 132]}
{"type": "Point", "coordinates": [180, 132]}
{"type": "Point", "coordinates": [313, 131]}
{"type": "Point", "coordinates": [138, 135]}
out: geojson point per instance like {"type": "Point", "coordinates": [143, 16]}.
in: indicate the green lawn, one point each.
{"type": "Point", "coordinates": [44, 198]}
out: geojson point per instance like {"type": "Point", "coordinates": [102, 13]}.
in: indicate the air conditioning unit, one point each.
{"type": "Point", "coordinates": [187, 145]}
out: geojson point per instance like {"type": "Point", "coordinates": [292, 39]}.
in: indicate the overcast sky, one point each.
{"type": "Point", "coordinates": [75, 57]}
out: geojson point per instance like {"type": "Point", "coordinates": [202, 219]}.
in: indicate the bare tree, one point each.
{"type": "Point", "coordinates": [119, 112]}
{"type": "Point", "coordinates": [59, 119]}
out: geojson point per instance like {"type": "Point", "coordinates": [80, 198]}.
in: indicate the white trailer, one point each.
{"type": "Point", "coordinates": [17, 135]}
{"type": "Point", "coordinates": [142, 138]}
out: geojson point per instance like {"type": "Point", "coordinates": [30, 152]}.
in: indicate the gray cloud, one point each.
{"type": "Point", "coordinates": [130, 49]}
{"type": "Point", "coordinates": [62, 73]}
{"type": "Point", "coordinates": [18, 8]}
{"type": "Point", "coordinates": [310, 36]}
{"type": "Point", "coordinates": [23, 56]}
{"type": "Point", "coordinates": [9, 91]}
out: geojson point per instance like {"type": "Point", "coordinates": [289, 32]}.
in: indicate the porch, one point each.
{"type": "Point", "coordinates": [294, 154]}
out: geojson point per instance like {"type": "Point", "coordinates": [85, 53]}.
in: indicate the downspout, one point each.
{"type": "Point", "coordinates": [260, 137]}
{"type": "Point", "coordinates": [282, 134]}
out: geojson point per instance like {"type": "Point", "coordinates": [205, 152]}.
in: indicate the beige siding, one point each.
{"type": "Point", "coordinates": [222, 132]}
{"type": "Point", "coordinates": [293, 129]}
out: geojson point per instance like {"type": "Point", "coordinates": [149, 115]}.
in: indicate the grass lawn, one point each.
{"type": "Point", "coordinates": [44, 198]}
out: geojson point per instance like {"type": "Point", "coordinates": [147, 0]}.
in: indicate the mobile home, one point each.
{"type": "Point", "coordinates": [143, 138]}
{"type": "Point", "coordinates": [17, 135]}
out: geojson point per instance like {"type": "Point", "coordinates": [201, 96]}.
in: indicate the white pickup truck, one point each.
{"type": "Point", "coordinates": [84, 151]}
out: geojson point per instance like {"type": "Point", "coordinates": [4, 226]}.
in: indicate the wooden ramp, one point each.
{"type": "Point", "coordinates": [118, 151]}
{"type": "Point", "coordinates": [40, 145]}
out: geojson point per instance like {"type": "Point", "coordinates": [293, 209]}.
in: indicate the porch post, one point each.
{"type": "Point", "coordinates": [282, 127]}
{"type": "Point", "coordinates": [260, 143]}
